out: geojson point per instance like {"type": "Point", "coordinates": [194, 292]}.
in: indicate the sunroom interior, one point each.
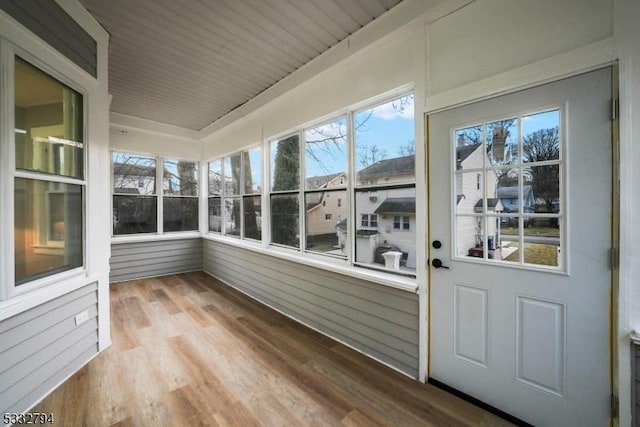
{"type": "Point", "coordinates": [319, 212]}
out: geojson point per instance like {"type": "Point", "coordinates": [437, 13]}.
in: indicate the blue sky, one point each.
{"type": "Point", "coordinates": [386, 127]}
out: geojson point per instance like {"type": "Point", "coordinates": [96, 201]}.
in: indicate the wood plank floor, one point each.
{"type": "Point", "coordinates": [189, 351]}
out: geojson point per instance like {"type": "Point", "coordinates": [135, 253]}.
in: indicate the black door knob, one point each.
{"type": "Point", "coordinates": [437, 263]}
{"type": "Point", "coordinates": [436, 244]}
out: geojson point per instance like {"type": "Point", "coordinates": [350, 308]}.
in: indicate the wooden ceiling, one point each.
{"type": "Point", "coordinates": [188, 63]}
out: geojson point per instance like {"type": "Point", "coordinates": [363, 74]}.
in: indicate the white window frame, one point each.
{"type": "Point", "coordinates": [241, 196]}
{"type": "Point", "coordinates": [58, 68]}
{"type": "Point", "coordinates": [399, 279]}
{"type": "Point", "coordinates": [159, 194]}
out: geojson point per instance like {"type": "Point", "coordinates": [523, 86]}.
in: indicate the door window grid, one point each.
{"type": "Point", "coordinates": [516, 218]}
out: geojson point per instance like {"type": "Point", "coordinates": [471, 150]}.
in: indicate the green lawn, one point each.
{"type": "Point", "coordinates": [532, 231]}
{"type": "Point", "coordinates": [537, 253]}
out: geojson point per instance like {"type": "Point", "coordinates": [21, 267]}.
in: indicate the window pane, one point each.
{"type": "Point", "coordinates": [253, 217]}
{"type": "Point", "coordinates": [180, 213]}
{"type": "Point", "coordinates": [541, 191]}
{"type": "Point", "coordinates": [252, 170]}
{"type": "Point", "coordinates": [385, 143]}
{"type": "Point", "coordinates": [134, 214]}
{"type": "Point", "coordinates": [376, 234]}
{"type": "Point", "coordinates": [133, 174]}
{"type": "Point", "coordinates": [540, 137]}
{"type": "Point", "coordinates": [542, 241]}
{"type": "Point", "coordinates": [284, 219]}
{"type": "Point", "coordinates": [232, 175]}
{"type": "Point", "coordinates": [502, 142]}
{"type": "Point", "coordinates": [326, 155]}
{"type": "Point", "coordinates": [325, 221]}
{"type": "Point", "coordinates": [506, 242]}
{"type": "Point", "coordinates": [215, 214]}
{"type": "Point", "coordinates": [48, 124]}
{"type": "Point", "coordinates": [215, 177]}
{"type": "Point", "coordinates": [48, 228]}
{"type": "Point", "coordinates": [232, 216]}
{"type": "Point", "coordinates": [180, 178]}
{"type": "Point", "coordinates": [285, 164]}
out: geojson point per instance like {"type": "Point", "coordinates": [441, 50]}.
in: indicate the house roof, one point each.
{"type": "Point", "coordinates": [493, 204]}
{"type": "Point", "coordinates": [133, 170]}
{"type": "Point", "coordinates": [314, 182]}
{"type": "Point", "coordinates": [400, 205]}
{"type": "Point", "coordinates": [386, 167]}
{"type": "Point", "coordinates": [512, 191]}
{"type": "Point", "coordinates": [463, 152]}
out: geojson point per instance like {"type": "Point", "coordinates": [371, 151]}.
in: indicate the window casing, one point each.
{"type": "Point", "coordinates": [141, 206]}
{"type": "Point", "coordinates": [49, 182]}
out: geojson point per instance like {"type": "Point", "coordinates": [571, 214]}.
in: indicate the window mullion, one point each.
{"type": "Point", "coordinates": [160, 194]}
{"type": "Point", "coordinates": [302, 185]}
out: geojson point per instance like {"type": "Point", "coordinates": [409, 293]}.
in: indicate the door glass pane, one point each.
{"type": "Point", "coordinates": [48, 228]}
{"type": "Point", "coordinates": [252, 170]}
{"type": "Point", "coordinates": [284, 219]}
{"type": "Point", "coordinates": [541, 191]}
{"type": "Point", "coordinates": [326, 220]}
{"type": "Point", "coordinates": [469, 192]}
{"type": "Point", "coordinates": [215, 177]}
{"type": "Point", "coordinates": [49, 124]}
{"type": "Point", "coordinates": [468, 143]}
{"type": "Point", "coordinates": [541, 137]}
{"type": "Point", "coordinates": [469, 236]}
{"type": "Point", "coordinates": [502, 142]}
{"type": "Point", "coordinates": [180, 178]}
{"type": "Point", "coordinates": [134, 214]}
{"type": "Point", "coordinates": [376, 234]}
{"type": "Point", "coordinates": [508, 239]}
{"type": "Point", "coordinates": [215, 214]}
{"type": "Point", "coordinates": [542, 241]}
{"type": "Point", "coordinates": [180, 214]}
{"type": "Point", "coordinates": [133, 174]}
{"type": "Point", "coordinates": [326, 155]}
{"type": "Point", "coordinates": [385, 143]}
{"type": "Point", "coordinates": [253, 217]}
{"type": "Point", "coordinates": [285, 164]}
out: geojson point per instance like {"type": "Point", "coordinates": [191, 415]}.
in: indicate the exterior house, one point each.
{"type": "Point", "coordinates": [81, 80]}
{"type": "Point", "coordinates": [470, 193]}
{"type": "Point", "coordinates": [510, 200]}
{"type": "Point", "coordinates": [325, 209]}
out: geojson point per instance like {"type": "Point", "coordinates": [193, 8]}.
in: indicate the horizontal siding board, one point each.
{"type": "Point", "coordinates": [18, 334]}
{"type": "Point", "coordinates": [147, 259]}
{"type": "Point", "coordinates": [341, 283]}
{"type": "Point", "coordinates": [328, 298]}
{"type": "Point", "coordinates": [41, 309]}
{"type": "Point", "coordinates": [383, 324]}
{"type": "Point", "coordinates": [45, 338]}
{"type": "Point", "coordinates": [12, 374]}
{"type": "Point", "coordinates": [86, 345]}
{"type": "Point", "coordinates": [399, 359]}
{"type": "Point", "coordinates": [339, 325]}
{"type": "Point", "coordinates": [47, 384]}
{"type": "Point", "coordinates": [43, 19]}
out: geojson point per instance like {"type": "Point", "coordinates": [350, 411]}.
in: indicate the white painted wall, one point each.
{"type": "Point", "coordinates": [128, 139]}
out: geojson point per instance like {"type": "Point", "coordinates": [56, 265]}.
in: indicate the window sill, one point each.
{"type": "Point", "coordinates": [152, 237]}
{"type": "Point", "coordinates": [335, 265]}
{"type": "Point", "coordinates": [43, 293]}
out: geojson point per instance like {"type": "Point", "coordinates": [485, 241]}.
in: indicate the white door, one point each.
{"type": "Point", "coordinates": [520, 204]}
